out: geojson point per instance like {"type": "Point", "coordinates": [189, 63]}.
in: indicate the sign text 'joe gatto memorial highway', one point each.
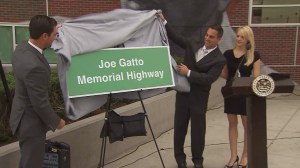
{"type": "Point", "coordinates": [119, 70]}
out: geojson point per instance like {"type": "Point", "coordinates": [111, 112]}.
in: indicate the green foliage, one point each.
{"type": "Point", "coordinates": [178, 59]}
{"type": "Point", "coordinates": [10, 81]}
{"type": "Point", "coordinates": [56, 101]}
{"type": "Point", "coordinates": [5, 133]}
{"type": "Point", "coordinates": [55, 94]}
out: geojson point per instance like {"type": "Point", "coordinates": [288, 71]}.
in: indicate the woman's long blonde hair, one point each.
{"type": "Point", "coordinates": [247, 32]}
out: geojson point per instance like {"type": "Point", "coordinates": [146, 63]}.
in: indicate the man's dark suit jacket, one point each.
{"type": "Point", "coordinates": [31, 106]}
{"type": "Point", "coordinates": [193, 105]}
{"type": "Point", "coordinates": [203, 73]}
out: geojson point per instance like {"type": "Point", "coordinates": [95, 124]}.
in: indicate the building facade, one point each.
{"type": "Point", "coordinates": [278, 44]}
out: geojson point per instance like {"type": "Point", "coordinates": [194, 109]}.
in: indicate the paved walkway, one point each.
{"type": "Point", "coordinates": [283, 132]}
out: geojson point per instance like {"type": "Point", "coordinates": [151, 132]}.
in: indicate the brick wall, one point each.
{"type": "Point", "coordinates": [298, 49]}
{"type": "Point", "coordinates": [275, 44]}
{"type": "Point", "coordinates": [20, 10]}
{"type": "Point", "coordinates": [238, 12]}
{"type": "Point", "coordinates": [75, 8]}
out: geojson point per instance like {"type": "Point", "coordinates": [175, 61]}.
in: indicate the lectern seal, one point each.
{"type": "Point", "coordinates": [263, 85]}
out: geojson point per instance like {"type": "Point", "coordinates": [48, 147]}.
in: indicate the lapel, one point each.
{"type": "Point", "coordinates": [40, 56]}
{"type": "Point", "coordinates": [210, 56]}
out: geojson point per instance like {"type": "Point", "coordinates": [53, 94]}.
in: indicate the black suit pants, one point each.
{"type": "Point", "coordinates": [32, 152]}
{"type": "Point", "coordinates": [32, 149]}
{"type": "Point", "coordinates": [183, 113]}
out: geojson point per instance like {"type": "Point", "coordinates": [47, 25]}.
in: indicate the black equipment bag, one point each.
{"type": "Point", "coordinates": [134, 125]}
{"type": "Point", "coordinates": [118, 127]}
{"type": "Point", "coordinates": [115, 127]}
{"type": "Point", "coordinates": [57, 155]}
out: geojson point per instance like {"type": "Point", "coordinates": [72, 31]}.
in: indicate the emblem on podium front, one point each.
{"type": "Point", "coordinates": [263, 85]}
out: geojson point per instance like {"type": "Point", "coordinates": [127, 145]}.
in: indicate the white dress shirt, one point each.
{"type": "Point", "coordinates": [202, 52]}
{"type": "Point", "coordinates": [36, 47]}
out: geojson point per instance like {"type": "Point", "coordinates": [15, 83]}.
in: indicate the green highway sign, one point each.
{"type": "Point", "coordinates": [119, 70]}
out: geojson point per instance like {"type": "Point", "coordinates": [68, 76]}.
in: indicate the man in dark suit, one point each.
{"type": "Point", "coordinates": [32, 115]}
{"type": "Point", "coordinates": [202, 66]}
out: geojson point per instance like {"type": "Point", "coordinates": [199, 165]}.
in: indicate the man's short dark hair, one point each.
{"type": "Point", "coordinates": [40, 24]}
{"type": "Point", "coordinates": [219, 29]}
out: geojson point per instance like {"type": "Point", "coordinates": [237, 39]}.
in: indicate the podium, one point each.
{"type": "Point", "coordinates": [256, 113]}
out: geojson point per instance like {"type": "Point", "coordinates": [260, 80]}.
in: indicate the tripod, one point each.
{"type": "Point", "coordinates": [103, 147]}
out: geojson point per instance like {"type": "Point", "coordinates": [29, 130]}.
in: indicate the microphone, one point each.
{"type": "Point", "coordinates": [237, 73]}
{"type": "Point", "coordinates": [248, 46]}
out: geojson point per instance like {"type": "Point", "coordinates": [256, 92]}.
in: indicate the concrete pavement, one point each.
{"type": "Point", "coordinates": [283, 139]}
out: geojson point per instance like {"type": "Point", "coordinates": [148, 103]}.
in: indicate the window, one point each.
{"type": "Point", "coordinates": [11, 35]}
{"type": "Point", "coordinates": [274, 12]}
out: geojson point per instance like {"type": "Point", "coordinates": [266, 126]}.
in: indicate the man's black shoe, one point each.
{"type": "Point", "coordinates": [182, 164]}
{"type": "Point", "coordinates": [197, 164]}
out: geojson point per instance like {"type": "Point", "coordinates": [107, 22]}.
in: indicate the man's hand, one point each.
{"type": "Point", "coordinates": [161, 16]}
{"type": "Point", "coordinates": [61, 124]}
{"type": "Point", "coordinates": [182, 69]}
{"type": "Point", "coordinates": [58, 26]}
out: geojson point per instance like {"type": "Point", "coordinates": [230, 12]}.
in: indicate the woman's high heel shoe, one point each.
{"type": "Point", "coordinates": [236, 161]}
{"type": "Point", "coordinates": [242, 166]}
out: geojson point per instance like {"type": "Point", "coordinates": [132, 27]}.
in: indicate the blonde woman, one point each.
{"type": "Point", "coordinates": [242, 61]}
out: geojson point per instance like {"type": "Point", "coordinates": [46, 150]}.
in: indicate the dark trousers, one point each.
{"type": "Point", "coordinates": [183, 114]}
{"type": "Point", "coordinates": [32, 152]}
{"type": "Point", "coordinates": [32, 149]}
